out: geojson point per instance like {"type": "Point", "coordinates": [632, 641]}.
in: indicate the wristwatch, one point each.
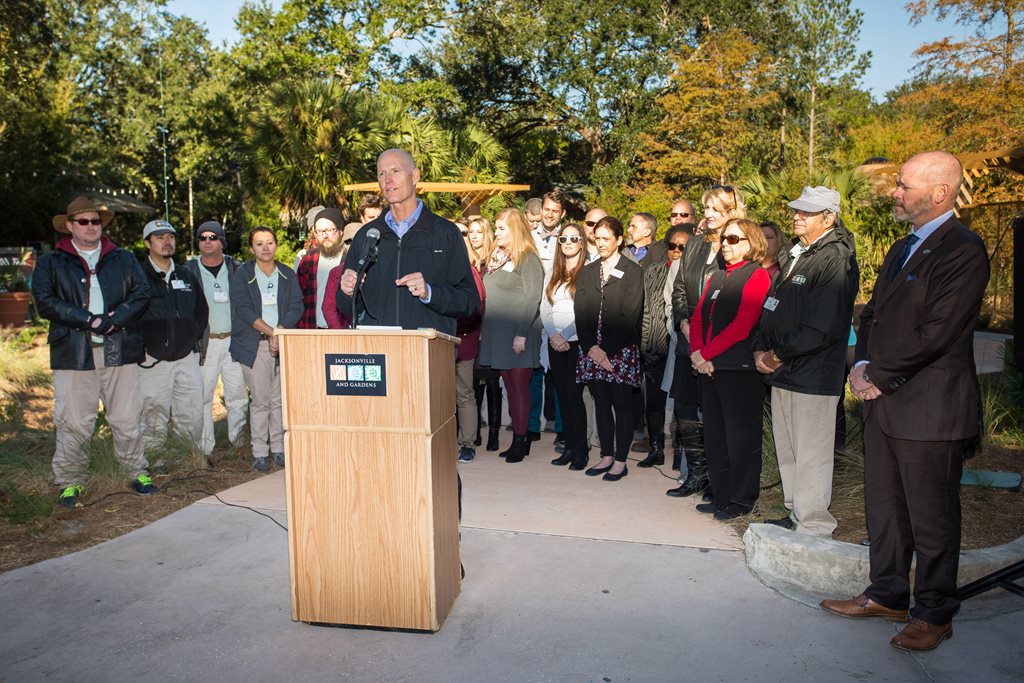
{"type": "Point", "coordinates": [865, 375]}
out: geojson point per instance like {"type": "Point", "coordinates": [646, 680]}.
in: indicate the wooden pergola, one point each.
{"type": "Point", "coordinates": [976, 165]}
{"type": "Point", "coordinates": [471, 195]}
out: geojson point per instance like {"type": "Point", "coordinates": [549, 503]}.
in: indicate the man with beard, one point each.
{"type": "Point", "coordinates": [315, 267]}
{"type": "Point", "coordinates": [915, 372]}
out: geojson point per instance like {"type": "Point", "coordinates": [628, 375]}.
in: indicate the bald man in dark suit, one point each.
{"type": "Point", "coordinates": [915, 371]}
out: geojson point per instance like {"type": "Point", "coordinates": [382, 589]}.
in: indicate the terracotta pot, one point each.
{"type": "Point", "coordinates": [14, 308]}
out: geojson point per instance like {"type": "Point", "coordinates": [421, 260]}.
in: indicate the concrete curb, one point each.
{"type": "Point", "coordinates": [807, 569]}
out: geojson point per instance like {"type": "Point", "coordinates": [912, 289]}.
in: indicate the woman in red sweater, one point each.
{"type": "Point", "coordinates": [721, 353]}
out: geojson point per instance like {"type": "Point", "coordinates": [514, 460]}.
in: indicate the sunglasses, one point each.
{"type": "Point", "coordinates": [680, 214]}
{"type": "Point", "coordinates": [728, 189]}
{"type": "Point", "coordinates": [590, 224]}
{"type": "Point", "coordinates": [732, 239]}
{"type": "Point", "coordinates": [208, 238]}
{"type": "Point", "coordinates": [573, 239]}
{"type": "Point", "coordinates": [675, 246]}
{"type": "Point", "coordinates": [464, 232]}
{"type": "Point", "coordinates": [88, 221]}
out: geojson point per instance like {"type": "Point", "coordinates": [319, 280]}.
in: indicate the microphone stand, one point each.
{"type": "Point", "coordinates": [371, 258]}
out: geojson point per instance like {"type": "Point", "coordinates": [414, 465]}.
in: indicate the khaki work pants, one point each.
{"type": "Point", "coordinates": [804, 427]}
{"type": "Point", "coordinates": [171, 390]}
{"type": "Point", "coordinates": [219, 365]}
{"type": "Point", "coordinates": [265, 425]}
{"type": "Point", "coordinates": [76, 398]}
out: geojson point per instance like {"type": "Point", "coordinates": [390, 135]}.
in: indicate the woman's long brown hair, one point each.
{"type": "Point", "coordinates": [560, 273]}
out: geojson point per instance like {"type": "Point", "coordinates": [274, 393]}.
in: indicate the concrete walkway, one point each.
{"type": "Point", "coordinates": [629, 592]}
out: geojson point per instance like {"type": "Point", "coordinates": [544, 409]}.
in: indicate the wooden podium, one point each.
{"type": "Point", "coordinates": [370, 440]}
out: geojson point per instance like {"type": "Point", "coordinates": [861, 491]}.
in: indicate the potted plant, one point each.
{"type": "Point", "coordinates": [14, 296]}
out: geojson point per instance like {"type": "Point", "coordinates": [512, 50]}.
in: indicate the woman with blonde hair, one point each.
{"type": "Point", "coordinates": [479, 241]}
{"type": "Point", "coordinates": [701, 259]}
{"type": "Point", "coordinates": [510, 334]}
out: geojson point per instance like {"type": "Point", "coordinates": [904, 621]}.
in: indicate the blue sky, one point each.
{"type": "Point", "coordinates": [886, 32]}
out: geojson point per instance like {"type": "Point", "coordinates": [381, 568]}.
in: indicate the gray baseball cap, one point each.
{"type": "Point", "coordinates": [815, 199]}
{"type": "Point", "coordinates": [158, 227]}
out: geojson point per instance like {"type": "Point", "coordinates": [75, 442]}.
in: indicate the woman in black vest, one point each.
{"type": "Point", "coordinates": [731, 389]}
{"type": "Point", "coordinates": [608, 308]}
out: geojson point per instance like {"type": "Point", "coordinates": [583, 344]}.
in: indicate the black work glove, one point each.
{"type": "Point", "coordinates": [105, 326]}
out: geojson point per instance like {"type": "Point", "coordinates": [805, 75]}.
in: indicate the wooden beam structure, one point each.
{"type": "Point", "coordinates": [976, 165]}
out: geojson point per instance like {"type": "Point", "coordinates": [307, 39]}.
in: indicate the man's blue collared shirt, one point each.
{"type": "Point", "coordinates": [927, 229]}
{"type": "Point", "coordinates": [402, 227]}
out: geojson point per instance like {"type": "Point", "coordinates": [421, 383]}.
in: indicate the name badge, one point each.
{"type": "Point", "coordinates": [714, 294]}
{"type": "Point", "coordinates": [770, 303]}
{"type": "Point", "coordinates": [798, 279]}
{"type": "Point", "coordinates": [615, 272]}
{"type": "Point", "coordinates": [269, 298]}
{"type": "Point", "coordinates": [220, 297]}
{"type": "Point", "coordinates": [180, 285]}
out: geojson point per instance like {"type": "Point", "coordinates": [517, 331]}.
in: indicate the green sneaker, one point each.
{"type": "Point", "coordinates": [69, 496]}
{"type": "Point", "coordinates": [143, 485]}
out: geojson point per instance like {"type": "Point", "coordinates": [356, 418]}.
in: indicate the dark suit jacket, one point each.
{"type": "Point", "coordinates": [917, 332]}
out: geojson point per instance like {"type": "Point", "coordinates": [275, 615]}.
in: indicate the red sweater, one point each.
{"type": "Point", "coordinates": [742, 325]}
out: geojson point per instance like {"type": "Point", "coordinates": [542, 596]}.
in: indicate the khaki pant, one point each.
{"type": "Point", "coordinates": [804, 426]}
{"type": "Point", "coordinates": [76, 398]}
{"type": "Point", "coordinates": [465, 403]}
{"type": "Point", "coordinates": [219, 365]}
{"type": "Point", "coordinates": [265, 424]}
{"type": "Point", "coordinates": [171, 389]}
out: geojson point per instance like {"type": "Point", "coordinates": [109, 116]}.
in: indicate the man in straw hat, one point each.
{"type": "Point", "coordinates": [91, 291]}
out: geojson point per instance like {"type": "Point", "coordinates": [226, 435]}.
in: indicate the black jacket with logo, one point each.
{"type": "Point", "coordinates": [810, 326]}
{"type": "Point", "coordinates": [60, 286]}
{"type": "Point", "coordinates": [177, 316]}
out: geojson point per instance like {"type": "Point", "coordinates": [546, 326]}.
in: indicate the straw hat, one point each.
{"type": "Point", "coordinates": [81, 205]}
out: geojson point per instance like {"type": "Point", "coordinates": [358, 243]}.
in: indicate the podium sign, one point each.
{"type": "Point", "coordinates": [370, 442]}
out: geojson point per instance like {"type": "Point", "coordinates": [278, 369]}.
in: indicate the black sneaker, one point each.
{"type": "Point", "coordinates": [559, 443]}
{"type": "Point", "coordinates": [260, 464]}
{"type": "Point", "coordinates": [69, 496]}
{"type": "Point", "coordinates": [466, 454]}
{"type": "Point", "coordinates": [784, 522]}
{"type": "Point", "coordinates": [278, 459]}
{"type": "Point", "coordinates": [143, 485]}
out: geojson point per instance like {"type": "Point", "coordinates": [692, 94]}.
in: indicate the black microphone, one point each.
{"type": "Point", "coordinates": [369, 256]}
{"type": "Point", "coordinates": [369, 247]}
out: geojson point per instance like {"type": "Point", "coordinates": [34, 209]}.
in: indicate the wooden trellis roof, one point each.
{"type": "Point", "coordinates": [976, 165]}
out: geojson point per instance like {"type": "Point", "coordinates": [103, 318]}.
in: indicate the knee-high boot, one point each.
{"type": "Point", "coordinates": [493, 415]}
{"type": "Point", "coordinates": [478, 389]}
{"type": "Point", "coordinates": [696, 464]}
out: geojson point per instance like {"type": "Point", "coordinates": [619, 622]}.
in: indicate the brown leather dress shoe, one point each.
{"type": "Point", "coordinates": [863, 606]}
{"type": "Point", "coordinates": [919, 636]}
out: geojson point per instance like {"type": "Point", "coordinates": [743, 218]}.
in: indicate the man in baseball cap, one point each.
{"type": "Point", "coordinates": [801, 343]}
{"type": "Point", "coordinates": [92, 292]}
{"type": "Point", "coordinates": [212, 269]}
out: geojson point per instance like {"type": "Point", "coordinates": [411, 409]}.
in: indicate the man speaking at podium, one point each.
{"type": "Point", "coordinates": [422, 276]}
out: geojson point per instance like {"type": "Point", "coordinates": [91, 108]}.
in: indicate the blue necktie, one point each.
{"type": "Point", "coordinates": [912, 239]}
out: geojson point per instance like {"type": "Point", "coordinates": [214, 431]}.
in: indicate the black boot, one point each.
{"type": "Point", "coordinates": [518, 450]}
{"type": "Point", "coordinates": [696, 464]}
{"type": "Point", "coordinates": [493, 415]}
{"type": "Point", "coordinates": [677, 443]}
{"type": "Point", "coordinates": [479, 391]}
{"type": "Point", "coordinates": [564, 459]}
{"type": "Point", "coordinates": [657, 454]}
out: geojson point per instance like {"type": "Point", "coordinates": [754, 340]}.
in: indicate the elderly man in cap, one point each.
{"type": "Point", "coordinates": [315, 267]}
{"type": "Point", "coordinates": [212, 268]}
{"type": "Point", "coordinates": [91, 291]}
{"type": "Point", "coordinates": [172, 328]}
{"type": "Point", "coordinates": [801, 343]}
